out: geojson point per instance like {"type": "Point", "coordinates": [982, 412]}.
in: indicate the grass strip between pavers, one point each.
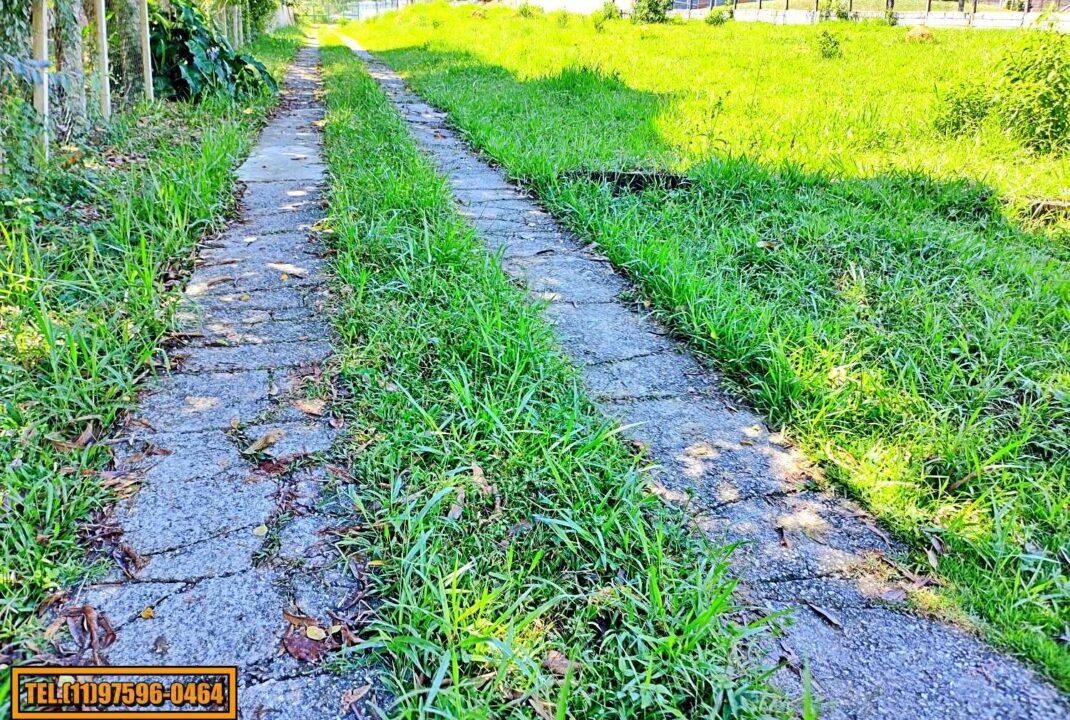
{"type": "Point", "coordinates": [91, 262]}
{"type": "Point", "coordinates": [522, 567]}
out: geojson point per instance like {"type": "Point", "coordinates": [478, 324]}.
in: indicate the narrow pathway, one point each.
{"type": "Point", "coordinates": [819, 556]}
{"type": "Point", "coordinates": [227, 530]}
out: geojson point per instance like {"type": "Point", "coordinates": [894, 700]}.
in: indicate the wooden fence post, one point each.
{"type": "Point", "coordinates": [974, 7]}
{"type": "Point", "coordinates": [928, 6]}
{"type": "Point", "coordinates": [40, 88]}
{"type": "Point", "coordinates": [146, 51]}
{"type": "Point", "coordinates": [102, 60]}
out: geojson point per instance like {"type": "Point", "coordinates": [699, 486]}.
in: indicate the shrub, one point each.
{"type": "Point", "coordinates": [1034, 96]}
{"type": "Point", "coordinates": [561, 18]}
{"type": "Point", "coordinates": [719, 17]}
{"type": "Point", "coordinates": [963, 109]}
{"type": "Point", "coordinates": [608, 11]}
{"type": "Point", "coordinates": [828, 45]}
{"type": "Point", "coordinates": [919, 34]}
{"type": "Point", "coordinates": [891, 18]}
{"type": "Point", "coordinates": [834, 9]}
{"type": "Point", "coordinates": [528, 10]}
{"type": "Point", "coordinates": [191, 60]}
{"type": "Point", "coordinates": [651, 11]}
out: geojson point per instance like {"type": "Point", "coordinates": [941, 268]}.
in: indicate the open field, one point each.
{"type": "Point", "coordinates": [857, 275]}
{"type": "Point", "coordinates": [507, 527]}
{"type": "Point", "coordinates": [89, 263]}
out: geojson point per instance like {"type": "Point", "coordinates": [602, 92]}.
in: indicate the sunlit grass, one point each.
{"type": "Point", "coordinates": [857, 275]}
{"type": "Point", "coordinates": [519, 567]}
{"type": "Point", "coordinates": [86, 293]}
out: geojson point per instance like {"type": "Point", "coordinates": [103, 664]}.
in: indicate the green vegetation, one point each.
{"type": "Point", "coordinates": [848, 266]}
{"type": "Point", "coordinates": [521, 566]}
{"type": "Point", "coordinates": [90, 251]}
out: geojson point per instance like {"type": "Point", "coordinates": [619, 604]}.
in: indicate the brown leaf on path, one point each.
{"type": "Point", "coordinates": [937, 544]}
{"type": "Point", "coordinates": [212, 282]}
{"type": "Point", "coordinates": [480, 479]}
{"type": "Point", "coordinates": [933, 559]}
{"type": "Point", "coordinates": [264, 442]}
{"type": "Point", "coordinates": [311, 406]}
{"type": "Point", "coordinates": [315, 632]}
{"type": "Point", "coordinates": [83, 440]}
{"type": "Point", "coordinates": [352, 696]}
{"type": "Point", "coordinates": [894, 594]}
{"type": "Point", "coordinates": [128, 559]}
{"type": "Point", "coordinates": [826, 615]}
{"type": "Point", "coordinates": [276, 466]}
{"type": "Point", "coordinates": [336, 422]}
{"type": "Point", "coordinates": [303, 648]}
{"type": "Point", "coordinates": [557, 663]}
{"type": "Point", "coordinates": [341, 473]}
{"type": "Point", "coordinates": [148, 613]}
{"type": "Point", "coordinates": [298, 620]}
{"type": "Point", "coordinates": [783, 535]}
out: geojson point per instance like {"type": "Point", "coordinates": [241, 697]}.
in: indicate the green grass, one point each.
{"type": "Point", "coordinates": [89, 260]}
{"type": "Point", "coordinates": [501, 520]}
{"type": "Point", "coordinates": [857, 275]}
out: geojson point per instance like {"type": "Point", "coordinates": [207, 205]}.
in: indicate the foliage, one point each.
{"type": "Point", "coordinates": [855, 272]}
{"type": "Point", "coordinates": [828, 45]}
{"type": "Point", "coordinates": [608, 11]}
{"type": "Point", "coordinates": [837, 9]}
{"type": "Point", "coordinates": [719, 17]}
{"type": "Point", "coordinates": [528, 10]}
{"type": "Point", "coordinates": [1034, 96]}
{"type": "Point", "coordinates": [962, 109]}
{"type": "Point", "coordinates": [891, 17]}
{"type": "Point", "coordinates": [192, 60]}
{"type": "Point", "coordinates": [651, 11]}
{"type": "Point", "coordinates": [259, 12]}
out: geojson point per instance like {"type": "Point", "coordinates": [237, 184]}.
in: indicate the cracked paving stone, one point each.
{"type": "Point", "coordinates": [298, 439]}
{"type": "Point", "coordinates": [176, 457]}
{"type": "Point", "coordinates": [123, 602]}
{"type": "Point", "coordinates": [255, 274]}
{"type": "Point", "coordinates": [231, 620]}
{"type": "Point", "coordinates": [160, 517]}
{"type": "Point", "coordinates": [251, 357]}
{"type": "Point", "coordinates": [879, 664]}
{"type": "Point", "coordinates": [213, 400]}
{"type": "Point", "coordinates": [566, 278]}
{"type": "Point", "coordinates": [224, 554]}
{"type": "Point", "coordinates": [244, 244]}
{"type": "Point", "coordinates": [316, 697]}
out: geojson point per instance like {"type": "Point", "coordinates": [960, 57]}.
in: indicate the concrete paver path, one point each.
{"type": "Point", "coordinates": [231, 536]}
{"type": "Point", "coordinates": [808, 552]}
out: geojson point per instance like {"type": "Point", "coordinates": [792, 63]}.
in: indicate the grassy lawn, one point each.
{"type": "Point", "coordinates": [860, 277]}
{"type": "Point", "coordinates": [522, 569]}
{"type": "Point", "coordinates": [90, 261]}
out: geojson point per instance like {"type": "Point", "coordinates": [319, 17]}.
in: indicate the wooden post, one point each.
{"type": "Point", "coordinates": [974, 7]}
{"type": "Point", "coordinates": [146, 50]}
{"type": "Point", "coordinates": [40, 88]}
{"type": "Point", "coordinates": [759, 5]}
{"type": "Point", "coordinates": [928, 6]}
{"type": "Point", "coordinates": [850, 6]}
{"type": "Point", "coordinates": [102, 61]}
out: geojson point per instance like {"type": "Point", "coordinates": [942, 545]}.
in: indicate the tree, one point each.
{"type": "Point", "coordinates": [70, 20]}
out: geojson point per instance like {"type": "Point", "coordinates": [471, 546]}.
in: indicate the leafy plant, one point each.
{"type": "Point", "coordinates": [528, 10]}
{"type": "Point", "coordinates": [1034, 96]}
{"type": "Point", "coordinates": [891, 18]}
{"type": "Point", "coordinates": [651, 11]}
{"type": "Point", "coordinates": [962, 109]}
{"type": "Point", "coordinates": [829, 46]}
{"type": "Point", "coordinates": [717, 18]}
{"type": "Point", "coordinates": [608, 11]}
{"type": "Point", "coordinates": [192, 60]}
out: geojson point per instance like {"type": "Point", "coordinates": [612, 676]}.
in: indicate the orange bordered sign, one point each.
{"type": "Point", "coordinates": [114, 693]}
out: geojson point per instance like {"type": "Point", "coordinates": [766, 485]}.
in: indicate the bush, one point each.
{"type": "Point", "coordinates": [192, 61]}
{"type": "Point", "coordinates": [834, 9]}
{"type": "Point", "coordinates": [1034, 96]}
{"type": "Point", "coordinates": [963, 109]}
{"type": "Point", "coordinates": [528, 10]}
{"type": "Point", "coordinates": [717, 18]}
{"type": "Point", "coordinates": [608, 11]}
{"type": "Point", "coordinates": [828, 45]}
{"type": "Point", "coordinates": [651, 11]}
{"type": "Point", "coordinates": [891, 18]}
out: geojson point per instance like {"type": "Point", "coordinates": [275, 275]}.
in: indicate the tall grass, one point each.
{"type": "Point", "coordinates": [87, 283]}
{"type": "Point", "coordinates": [848, 267]}
{"type": "Point", "coordinates": [519, 566]}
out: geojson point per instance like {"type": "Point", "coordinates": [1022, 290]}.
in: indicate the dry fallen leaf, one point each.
{"type": "Point", "coordinates": [300, 647]}
{"type": "Point", "coordinates": [260, 530]}
{"type": "Point", "coordinates": [298, 620]}
{"type": "Point", "coordinates": [542, 708]}
{"type": "Point", "coordinates": [458, 507]}
{"type": "Point", "coordinates": [826, 615]}
{"type": "Point", "coordinates": [264, 442]}
{"type": "Point", "coordinates": [557, 663]}
{"type": "Point", "coordinates": [311, 406]}
{"type": "Point", "coordinates": [352, 696]}
{"type": "Point", "coordinates": [148, 613]}
{"type": "Point", "coordinates": [315, 632]}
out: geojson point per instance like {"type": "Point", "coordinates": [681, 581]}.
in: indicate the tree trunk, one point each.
{"type": "Point", "coordinates": [70, 59]}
